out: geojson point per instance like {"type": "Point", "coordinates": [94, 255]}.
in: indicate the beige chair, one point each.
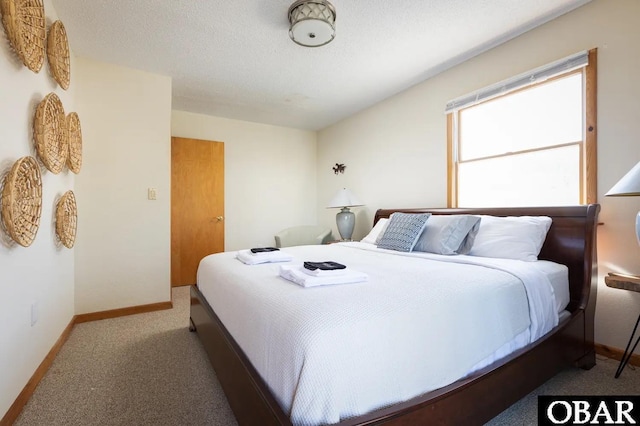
{"type": "Point", "coordinates": [302, 236]}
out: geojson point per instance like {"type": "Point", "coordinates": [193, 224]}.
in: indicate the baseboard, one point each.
{"type": "Point", "coordinates": [24, 396]}
{"type": "Point", "coordinates": [30, 387]}
{"type": "Point", "coordinates": [616, 353]}
{"type": "Point", "coordinates": [121, 312]}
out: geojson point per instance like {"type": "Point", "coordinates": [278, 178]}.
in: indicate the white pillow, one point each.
{"type": "Point", "coordinates": [512, 237]}
{"type": "Point", "coordinates": [374, 235]}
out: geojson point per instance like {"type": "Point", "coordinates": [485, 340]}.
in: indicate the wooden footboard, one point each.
{"type": "Point", "coordinates": [473, 400]}
{"type": "Point", "coordinates": [248, 395]}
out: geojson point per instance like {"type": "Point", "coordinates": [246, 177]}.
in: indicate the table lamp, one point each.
{"type": "Point", "coordinates": [345, 219]}
{"type": "Point", "coordinates": [629, 186]}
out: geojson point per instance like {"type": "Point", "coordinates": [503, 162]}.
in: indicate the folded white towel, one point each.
{"type": "Point", "coordinates": [263, 253]}
{"type": "Point", "coordinates": [294, 274]}
{"type": "Point", "coordinates": [324, 272]}
{"type": "Point", "coordinates": [245, 256]}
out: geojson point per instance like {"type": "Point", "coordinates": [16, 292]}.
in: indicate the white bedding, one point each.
{"type": "Point", "coordinates": [417, 324]}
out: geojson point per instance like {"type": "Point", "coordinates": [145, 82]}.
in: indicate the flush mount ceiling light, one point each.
{"type": "Point", "coordinates": [312, 22]}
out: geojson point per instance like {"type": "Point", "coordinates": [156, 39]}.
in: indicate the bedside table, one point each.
{"type": "Point", "coordinates": [631, 283]}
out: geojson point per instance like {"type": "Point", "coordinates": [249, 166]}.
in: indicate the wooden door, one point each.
{"type": "Point", "coordinates": [197, 205]}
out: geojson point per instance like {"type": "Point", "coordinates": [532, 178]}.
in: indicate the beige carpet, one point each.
{"type": "Point", "coordinates": [145, 369]}
{"type": "Point", "coordinates": [148, 369]}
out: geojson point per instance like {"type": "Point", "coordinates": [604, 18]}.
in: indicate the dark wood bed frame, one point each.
{"type": "Point", "coordinates": [473, 400]}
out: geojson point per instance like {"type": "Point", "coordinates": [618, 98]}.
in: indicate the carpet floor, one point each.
{"type": "Point", "coordinates": [148, 369]}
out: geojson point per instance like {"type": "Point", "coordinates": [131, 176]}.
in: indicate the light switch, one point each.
{"type": "Point", "coordinates": [151, 193]}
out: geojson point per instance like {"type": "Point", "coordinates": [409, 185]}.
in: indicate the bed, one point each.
{"type": "Point", "coordinates": [484, 391]}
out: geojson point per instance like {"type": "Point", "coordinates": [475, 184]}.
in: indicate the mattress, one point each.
{"type": "Point", "coordinates": [557, 274]}
{"type": "Point", "coordinates": [419, 323]}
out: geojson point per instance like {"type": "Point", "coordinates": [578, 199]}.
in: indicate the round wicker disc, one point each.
{"type": "Point", "coordinates": [50, 133]}
{"type": "Point", "coordinates": [67, 219]}
{"type": "Point", "coordinates": [22, 201]}
{"type": "Point", "coordinates": [74, 160]}
{"type": "Point", "coordinates": [58, 54]}
{"type": "Point", "coordinates": [24, 23]}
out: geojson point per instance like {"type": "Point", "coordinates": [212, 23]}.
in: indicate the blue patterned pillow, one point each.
{"type": "Point", "coordinates": [403, 231]}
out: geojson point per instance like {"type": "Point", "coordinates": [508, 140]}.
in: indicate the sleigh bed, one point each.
{"type": "Point", "coordinates": [474, 399]}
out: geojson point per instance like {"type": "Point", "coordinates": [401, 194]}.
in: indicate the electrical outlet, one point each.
{"type": "Point", "coordinates": [151, 193]}
{"type": "Point", "coordinates": [35, 313]}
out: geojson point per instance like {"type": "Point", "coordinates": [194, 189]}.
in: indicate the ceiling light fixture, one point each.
{"type": "Point", "coordinates": [313, 22]}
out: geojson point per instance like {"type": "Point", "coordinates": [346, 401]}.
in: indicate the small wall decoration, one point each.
{"type": "Point", "coordinates": [50, 133]}
{"type": "Point", "coordinates": [24, 23]}
{"type": "Point", "coordinates": [22, 201]}
{"type": "Point", "coordinates": [67, 219]}
{"type": "Point", "coordinates": [74, 132]}
{"type": "Point", "coordinates": [58, 54]}
{"type": "Point", "coordinates": [339, 168]}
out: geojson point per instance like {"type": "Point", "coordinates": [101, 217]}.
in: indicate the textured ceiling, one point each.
{"type": "Point", "coordinates": [234, 58]}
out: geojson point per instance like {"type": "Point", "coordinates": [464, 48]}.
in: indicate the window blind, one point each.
{"type": "Point", "coordinates": [562, 66]}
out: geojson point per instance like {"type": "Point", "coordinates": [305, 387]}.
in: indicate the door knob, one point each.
{"type": "Point", "coordinates": [220, 218]}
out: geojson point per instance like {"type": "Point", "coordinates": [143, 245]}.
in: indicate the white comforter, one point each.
{"type": "Point", "coordinates": [328, 353]}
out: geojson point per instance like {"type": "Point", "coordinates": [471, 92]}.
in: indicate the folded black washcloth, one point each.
{"type": "Point", "coordinates": [263, 249]}
{"type": "Point", "coordinates": [323, 266]}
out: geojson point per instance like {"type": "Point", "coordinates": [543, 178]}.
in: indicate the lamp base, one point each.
{"type": "Point", "coordinates": [346, 221]}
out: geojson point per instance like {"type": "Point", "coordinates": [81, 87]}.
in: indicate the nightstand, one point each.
{"type": "Point", "coordinates": [631, 283]}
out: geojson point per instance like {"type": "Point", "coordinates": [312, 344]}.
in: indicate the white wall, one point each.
{"type": "Point", "coordinates": [390, 161]}
{"type": "Point", "coordinates": [270, 175]}
{"type": "Point", "coordinates": [43, 272]}
{"type": "Point", "coordinates": [396, 151]}
{"type": "Point", "coordinates": [123, 245]}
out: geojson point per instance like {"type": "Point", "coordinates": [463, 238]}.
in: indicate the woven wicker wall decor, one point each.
{"type": "Point", "coordinates": [22, 201]}
{"type": "Point", "coordinates": [67, 219]}
{"type": "Point", "coordinates": [50, 133]}
{"type": "Point", "coordinates": [74, 132]}
{"type": "Point", "coordinates": [58, 54]}
{"type": "Point", "coordinates": [24, 23]}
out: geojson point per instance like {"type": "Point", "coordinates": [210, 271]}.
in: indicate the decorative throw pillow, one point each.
{"type": "Point", "coordinates": [373, 235]}
{"type": "Point", "coordinates": [403, 231]}
{"type": "Point", "coordinates": [448, 234]}
{"type": "Point", "coordinates": [512, 237]}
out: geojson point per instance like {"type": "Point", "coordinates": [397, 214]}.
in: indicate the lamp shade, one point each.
{"type": "Point", "coordinates": [629, 185]}
{"type": "Point", "coordinates": [344, 198]}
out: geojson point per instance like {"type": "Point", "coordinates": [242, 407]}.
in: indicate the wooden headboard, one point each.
{"type": "Point", "coordinates": [571, 241]}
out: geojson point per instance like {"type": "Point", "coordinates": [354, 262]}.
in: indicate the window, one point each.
{"type": "Point", "coordinates": [528, 141]}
